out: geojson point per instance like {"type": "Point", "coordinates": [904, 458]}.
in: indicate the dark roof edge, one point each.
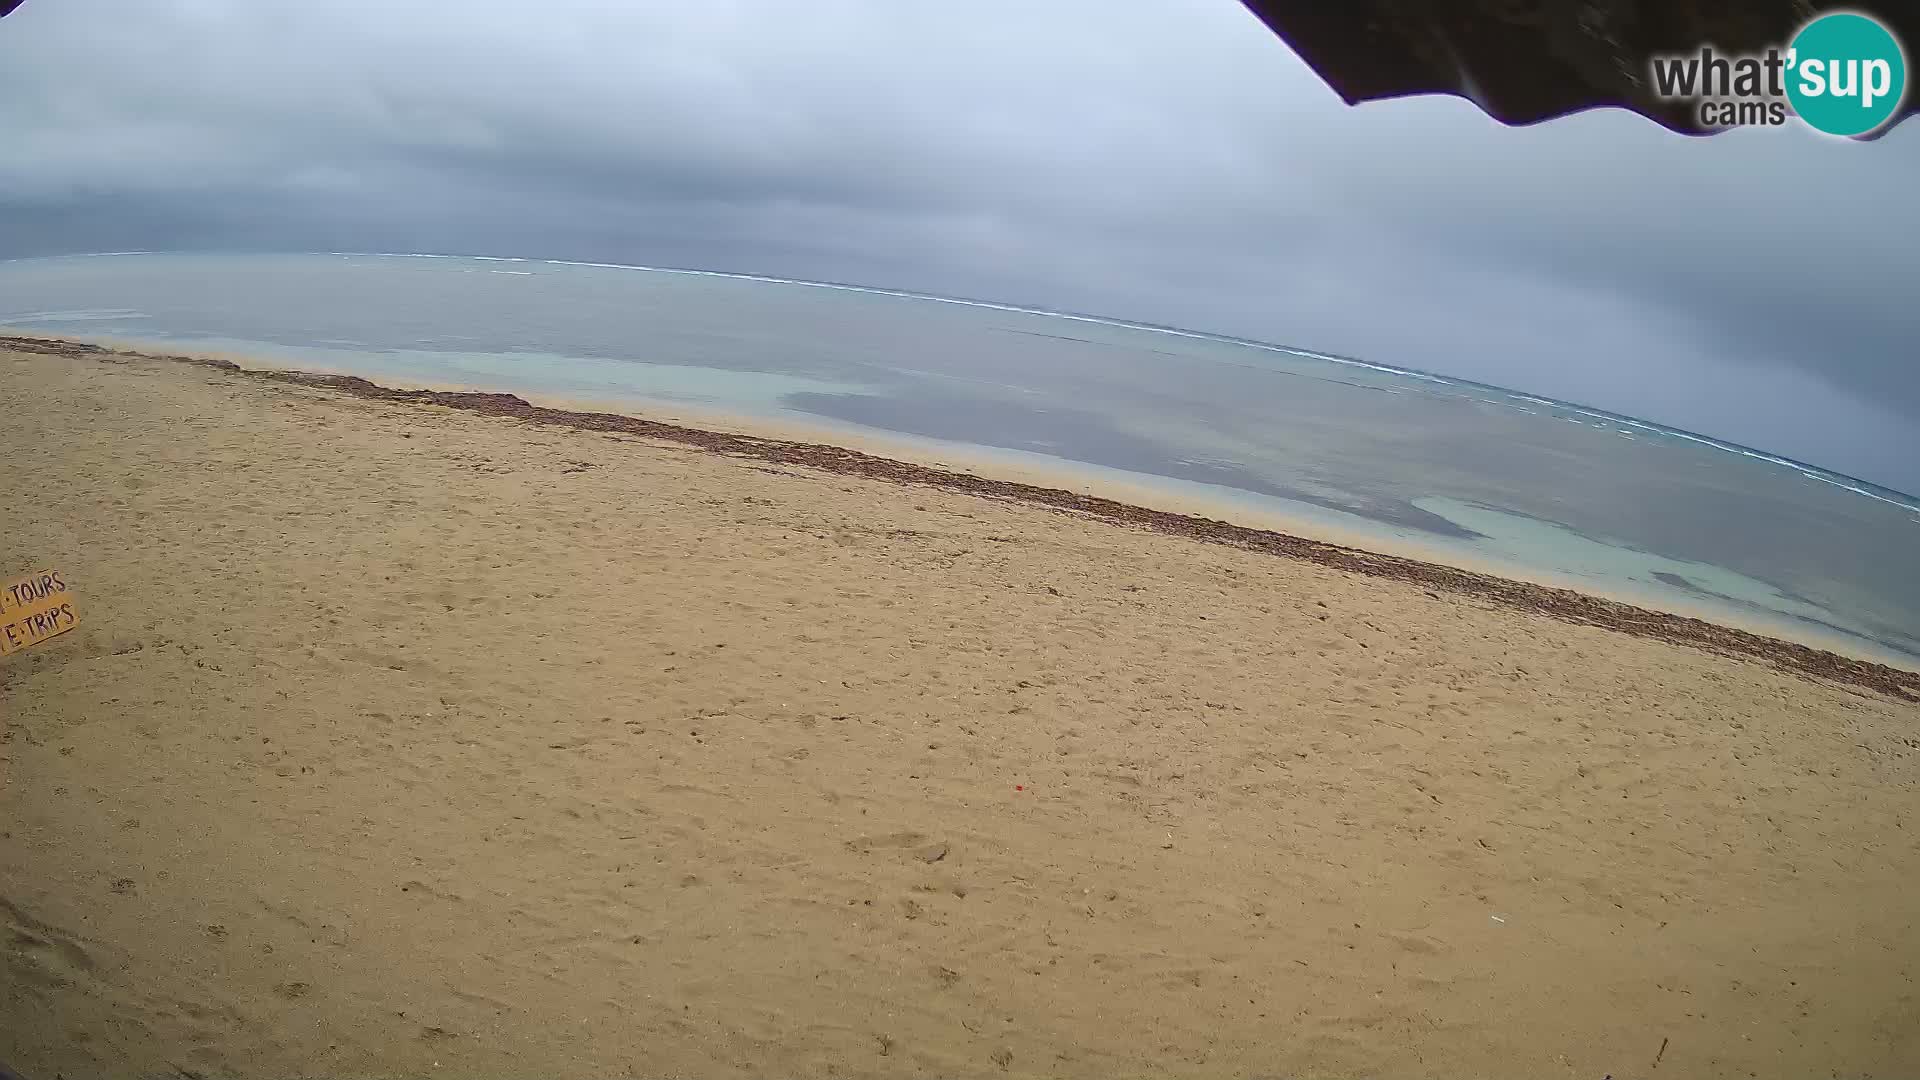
{"type": "Point", "coordinates": [1526, 61]}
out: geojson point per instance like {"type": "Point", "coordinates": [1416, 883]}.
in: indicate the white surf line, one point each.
{"type": "Point", "coordinates": [1604, 419]}
{"type": "Point", "coordinates": [1122, 324]}
{"type": "Point", "coordinates": [77, 315]}
{"type": "Point", "coordinates": [902, 294]}
{"type": "Point", "coordinates": [1285, 350]}
{"type": "Point", "coordinates": [79, 255]}
{"type": "Point", "coordinates": [1786, 463]}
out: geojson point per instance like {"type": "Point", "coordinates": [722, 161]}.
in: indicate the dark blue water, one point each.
{"type": "Point", "coordinates": [1545, 488]}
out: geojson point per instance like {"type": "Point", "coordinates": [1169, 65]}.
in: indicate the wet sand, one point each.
{"type": "Point", "coordinates": [412, 734]}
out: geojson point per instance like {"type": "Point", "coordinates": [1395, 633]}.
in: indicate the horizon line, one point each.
{"type": "Point", "coordinates": [1912, 503]}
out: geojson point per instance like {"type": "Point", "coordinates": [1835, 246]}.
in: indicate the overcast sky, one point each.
{"type": "Point", "coordinates": [1161, 160]}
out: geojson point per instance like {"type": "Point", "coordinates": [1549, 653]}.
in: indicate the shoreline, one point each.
{"type": "Point", "coordinates": [414, 733]}
{"type": "Point", "coordinates": [1300, 520]}
{"type": "Point", "coordinates": [1566, 605]}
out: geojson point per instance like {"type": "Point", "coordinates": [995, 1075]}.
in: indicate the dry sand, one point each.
{"type": "Point", "coordinates": [399, 739]}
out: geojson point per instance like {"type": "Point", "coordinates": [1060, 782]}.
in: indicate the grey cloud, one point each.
{"type": "Point", "coordinates": [1165, 160]}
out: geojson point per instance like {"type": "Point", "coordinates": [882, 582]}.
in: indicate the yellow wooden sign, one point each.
{"type": "Point", "coordinates": [33, 609]}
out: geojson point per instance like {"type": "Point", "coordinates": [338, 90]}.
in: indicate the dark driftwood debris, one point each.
{"type": "Point", "coordinates": [1563, 604]}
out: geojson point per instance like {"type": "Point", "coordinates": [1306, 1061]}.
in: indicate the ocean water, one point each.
{"type": "Point", "coordinates": [1475, 473]}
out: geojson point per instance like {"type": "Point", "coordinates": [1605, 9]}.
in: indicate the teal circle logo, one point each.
{"type": "Point", "coordinates": [1846, 74]}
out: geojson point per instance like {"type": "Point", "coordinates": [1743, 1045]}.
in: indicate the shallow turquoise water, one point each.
{"type": "Point", "coordinates": [1543, 487]}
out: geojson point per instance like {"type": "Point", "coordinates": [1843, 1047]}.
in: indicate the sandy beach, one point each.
{"type": "Point", "coordinates": [428, 735]}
